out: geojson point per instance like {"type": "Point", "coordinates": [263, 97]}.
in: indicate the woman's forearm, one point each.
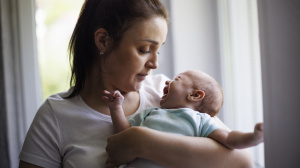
{"type": "Point", "coordinates": [170, 150]}
{"type": "Point", "coordinates": [174, 151]}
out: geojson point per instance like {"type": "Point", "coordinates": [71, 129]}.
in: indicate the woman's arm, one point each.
{"type": "Point", "coordinates": [23, 164]}
{"type": "Point", "coordinates": [170, 150]}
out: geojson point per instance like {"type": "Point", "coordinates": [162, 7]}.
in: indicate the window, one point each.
{"type": "Point", "coordinates": [280, 23]}
{"type": "Point", "coordinates": [55, 20]}
{"type": "Point", "coordinates": [241, 68]}
{"type": "Point", "coordinates": [221, 39]}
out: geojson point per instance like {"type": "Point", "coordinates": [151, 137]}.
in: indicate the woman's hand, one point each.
{"type": "Point", "coordinates": [124, 147]}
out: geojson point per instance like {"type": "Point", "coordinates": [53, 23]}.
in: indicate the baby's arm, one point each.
{"type": "Point", "coordinates": [239, 140]}
{"type": "Point", "coordinates": [114, 101]}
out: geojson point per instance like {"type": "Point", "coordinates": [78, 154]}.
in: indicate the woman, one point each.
{"type": "Point", "coordinates": [114, 47]}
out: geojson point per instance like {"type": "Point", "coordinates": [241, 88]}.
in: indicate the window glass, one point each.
{"type": "Point", "coordinates": [55, 21]}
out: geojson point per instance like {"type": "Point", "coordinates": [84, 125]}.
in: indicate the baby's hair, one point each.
{"type": "Point", "coordinates": [213, 100]}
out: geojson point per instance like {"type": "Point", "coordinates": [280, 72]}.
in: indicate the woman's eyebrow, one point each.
{"type": "Point", "coordinates": [151, 41]}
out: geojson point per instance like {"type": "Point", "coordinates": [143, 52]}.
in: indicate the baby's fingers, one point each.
{"type": "Point", "coordinates": [258, 132]}
{"type": "Point", "coordinates": [117, 93]}
{"type": "Point", "coordinates": [107, 96]}
{"type": "Point", "coordinates": [106, 92]}
{"type": "Point", "coordinates": [259, 127]}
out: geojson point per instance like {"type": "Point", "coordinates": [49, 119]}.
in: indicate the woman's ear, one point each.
{"type": "Point", "coordinates": [101, 39]}
{"type": "Point", "coordinates": [196, 95]}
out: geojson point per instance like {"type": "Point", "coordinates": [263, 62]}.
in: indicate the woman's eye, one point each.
{"type": "Point", "coordinates": [158, 52]}
{"type": "Point", "coordinates": [144, 51]}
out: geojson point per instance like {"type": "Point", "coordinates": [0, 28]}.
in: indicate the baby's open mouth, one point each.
{"type": "Point", "coordinates": [166, 90]}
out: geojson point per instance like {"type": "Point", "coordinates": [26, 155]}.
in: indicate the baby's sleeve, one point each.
{"type": "Point", "coordinates": [139, 118]}
{"type": "Point", "coordinates": [208, 125]}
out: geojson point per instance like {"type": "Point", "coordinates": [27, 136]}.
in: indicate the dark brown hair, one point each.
{"type": "Point", "coordinates": [116, 16]}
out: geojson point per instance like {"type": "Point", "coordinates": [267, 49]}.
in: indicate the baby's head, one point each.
{"type": "Point", "coordinates": [193, 89]}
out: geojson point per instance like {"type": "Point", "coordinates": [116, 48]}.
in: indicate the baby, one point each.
{"type": "Point", "coordinates": [189, 102]}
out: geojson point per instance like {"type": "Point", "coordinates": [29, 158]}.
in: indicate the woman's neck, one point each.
{"type": "Point", "coordinates": [92, 93]}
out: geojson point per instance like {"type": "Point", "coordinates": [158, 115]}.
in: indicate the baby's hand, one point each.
{"type": "Point", "coordinates": [259, 132]}
{"type": "Point", "coordinates": [113, 99]}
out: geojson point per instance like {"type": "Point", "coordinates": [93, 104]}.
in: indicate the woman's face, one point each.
{"type": "Point", "coordinates": [130, 63]}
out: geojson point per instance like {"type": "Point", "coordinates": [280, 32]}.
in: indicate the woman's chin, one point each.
{"type": "Point", "coordinates": [134, 85]}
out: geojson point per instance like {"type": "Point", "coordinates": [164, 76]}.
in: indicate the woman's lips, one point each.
{"type": "Point", "coordinates": [142, 76]}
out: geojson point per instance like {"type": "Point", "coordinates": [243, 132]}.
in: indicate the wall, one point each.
{"type": "Point", "coordinates": [280, 39]}
{"type": "Point", "coordinates": [165, 58]}
{"type": "Point", "coordinates": [196, 42]}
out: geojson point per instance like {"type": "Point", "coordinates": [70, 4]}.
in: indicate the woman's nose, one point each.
{"type": "Point", "coordinates": [153, 62]}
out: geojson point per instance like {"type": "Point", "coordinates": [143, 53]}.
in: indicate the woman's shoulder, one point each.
{"type": "Point", "coordinates": [61, 95]}
{"type": "Point", "coordinates": [59, 101]}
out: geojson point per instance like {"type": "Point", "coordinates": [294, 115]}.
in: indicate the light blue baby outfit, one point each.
{"type": "Point", "coordinates": [183, 121]}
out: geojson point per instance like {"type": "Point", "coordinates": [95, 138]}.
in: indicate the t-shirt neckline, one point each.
{"type": "Point", "coordinates": [108, 117]}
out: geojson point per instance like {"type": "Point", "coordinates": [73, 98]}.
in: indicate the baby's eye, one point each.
{"type": "Point", "coordinates": [177, 77]}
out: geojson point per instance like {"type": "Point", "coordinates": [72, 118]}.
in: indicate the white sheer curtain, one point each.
{"type": "Point", "coordinates": [220, 37]}
{"type": "Point", "coordinates": [21, 96]}
{"type": "Point", "coordinates": [241, 67]}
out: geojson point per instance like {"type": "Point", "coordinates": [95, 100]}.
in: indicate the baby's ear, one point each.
{"type": "Point", "coordinates": [196, 95]}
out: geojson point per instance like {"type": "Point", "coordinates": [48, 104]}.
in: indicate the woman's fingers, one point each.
{"type": "Point", "coordinates": [121, 147]}
{"type": "Point", "coordinates": [109, 164]}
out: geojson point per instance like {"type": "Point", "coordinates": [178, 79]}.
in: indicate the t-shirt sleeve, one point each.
{"type": "Point", "coordinates": [208, 125]}
{"type": "Point", "coordinates": [41, 145]}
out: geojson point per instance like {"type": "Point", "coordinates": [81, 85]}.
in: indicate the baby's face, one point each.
{"type": "Point", "coordinates": [176, 91]}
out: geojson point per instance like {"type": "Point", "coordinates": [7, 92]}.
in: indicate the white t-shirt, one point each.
{"type": "Point", "coordinates": [68, 133]}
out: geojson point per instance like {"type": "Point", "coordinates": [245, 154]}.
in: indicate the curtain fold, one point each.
{"type": "Point", "coordinates": [12, 128]}
{"type": "Point", "coordinates": [4, 159]}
